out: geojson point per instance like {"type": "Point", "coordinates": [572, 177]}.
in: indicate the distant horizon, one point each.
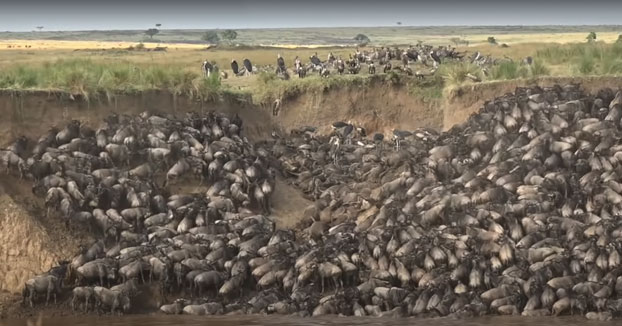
{"type": "Point", "coordinates": [304, 27]}
{"type": "Point", "coordinates": [85, 15]}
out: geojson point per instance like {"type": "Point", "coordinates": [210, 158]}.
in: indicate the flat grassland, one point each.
{"type": "Point", "coordinates": [92, 62]}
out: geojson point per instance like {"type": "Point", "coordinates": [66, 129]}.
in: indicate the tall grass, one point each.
{"type": "Point", "coordinates": [89, 78]}
{"type": "Point", "coordinates": [538, 68]}
{"type": "Point", "coordinates": [584, 58]}
{"type": "Point", "coordinates": [269, 87]}
{"type": "Point", "coordinates": [509, 70]}
{"type": "Point", "coordinates": [457, 73]}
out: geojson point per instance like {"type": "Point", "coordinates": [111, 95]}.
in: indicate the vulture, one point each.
{"type": "Point", "coordinates": [235, 67]}
{"type": "Point", "coordinates": [248, 65]}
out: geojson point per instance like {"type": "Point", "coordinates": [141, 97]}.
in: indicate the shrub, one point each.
{"type": "Point", "coordinates": [456, 74]}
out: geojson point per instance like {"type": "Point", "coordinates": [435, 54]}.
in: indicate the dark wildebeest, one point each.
{"type": "Point", "coordinates": [48, 284]}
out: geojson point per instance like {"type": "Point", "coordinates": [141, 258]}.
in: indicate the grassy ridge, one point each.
{"type": "Point", "coordinates": [140, 72]}
{"type": "Point", "coordinates": [88, 77]}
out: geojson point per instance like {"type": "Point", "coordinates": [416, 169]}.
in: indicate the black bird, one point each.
{"type": "Point", "coordinates": [343, 130]}
{"type": "Point", "coordinates": [235, 67]}
{"type": "Point", "coordinates": [339, 124]}
{"type": "Point", "coordinates": [248, 66]}
{"type": "Point", "coordinates": [315, 60]}
{"type": "Point", "coordinates": [280, 63]}
{"type": "Point", "coordinates": [398, 136]}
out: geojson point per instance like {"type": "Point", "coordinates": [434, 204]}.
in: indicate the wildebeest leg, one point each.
{"type": "Point", "coordinates": [47, 296]}
{"type": "Point", "coordinates": [31, 298]}
{"type": "Point", "coordinates": [322, 278]}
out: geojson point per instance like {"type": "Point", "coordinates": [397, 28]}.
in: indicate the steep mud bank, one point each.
{"type": "Point", "coordinates": [32, 113]}
{"type": "Point", "coordinates": [30, 243]}
{"type": "Point", "coordinates": [379, 108]}
{"type": "Point", "coordinates": [463, 101]}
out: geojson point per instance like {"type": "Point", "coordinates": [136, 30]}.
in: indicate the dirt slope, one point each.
{"type": "Point", "coordinates": [379, 108]}
{"type": "Point", "coordinates": [30, 243]}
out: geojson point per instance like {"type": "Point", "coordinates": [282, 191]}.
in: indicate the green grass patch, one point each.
{"type": "Point", "coordinates": [509, 70]}
{"type": "Point", "coordinates": [88, 78]}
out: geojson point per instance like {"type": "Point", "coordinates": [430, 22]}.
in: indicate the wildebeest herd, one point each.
{"type": "Point", "coordinates": [515, 212]}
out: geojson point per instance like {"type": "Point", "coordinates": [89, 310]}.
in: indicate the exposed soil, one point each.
{"type": "Point", "coordinates": [30, 242]}
{"type": "Point", "coordinates": [379, 108]}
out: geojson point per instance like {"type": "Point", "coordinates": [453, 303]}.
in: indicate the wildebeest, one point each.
{"type": "Point", "coordinates": [49, 285]}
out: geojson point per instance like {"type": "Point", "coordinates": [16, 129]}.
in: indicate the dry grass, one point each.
{"type": "Point", "coordinates": [22, 66]}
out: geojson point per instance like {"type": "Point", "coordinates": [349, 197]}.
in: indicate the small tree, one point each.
{"type": "Point", "coordinates": [39, 28]}
{"type": "Point", "coordinates": [591, 37]}
{"type": "Point", "coordinates": [229, 35]}
{"type": "Point", "coordinates": [399, 23]}
{"type": "Point", "coordinates": [158, 25]}
{"type": "Point", "coordinates": [211, 37]}
{"type": "Point", "coordinates": [152, 31]}
{"type": "Point", "coordinates": [362, 39]}
{"type": "Point", "coordinates": [492, 40]}
{"type": "Point", "coordinates": [456, 40]}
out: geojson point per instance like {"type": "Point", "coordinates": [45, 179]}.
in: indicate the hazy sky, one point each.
{"type": "Point", "coordinates": [114, 14]}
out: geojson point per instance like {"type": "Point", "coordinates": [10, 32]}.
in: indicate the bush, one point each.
{"type": "Point", "coordinates": [492, 40]}
{"type": "Point", "coordinates": [591, 37]}
{"type": "Point", "coordinates": [211, 37]}
{"type": "Point", "coordinates": [456, 74]}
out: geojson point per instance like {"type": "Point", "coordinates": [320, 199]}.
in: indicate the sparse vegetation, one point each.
{"type": "Point", "coordinates": [229, 35]}
{"type": "Point", "coordinates": [211, 37]}
{"type": "Point", "coordinates": [591, 37]}
{"type": "Point", "coordinates": [362, 39]}
{"type": "Point", "coordinates": [151, 32]}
